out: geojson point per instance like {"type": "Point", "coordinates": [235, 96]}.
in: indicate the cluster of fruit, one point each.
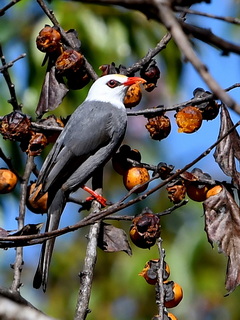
{"type": "Point", "coordinates": [197, 185]}
{"type": "Point", "coordinates": [144, 232]}
{"type": "Point", "coordinates": [17, 126]}
{"type": "Point", "coordinates": [189, 119]}
{"type": "Point", "coordinates": [173, 292]}
{"type": "Point", "coordinates": [69, 62]}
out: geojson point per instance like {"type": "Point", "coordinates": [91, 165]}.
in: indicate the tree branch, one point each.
{"type": "Point", "coordinates": [172, 24]}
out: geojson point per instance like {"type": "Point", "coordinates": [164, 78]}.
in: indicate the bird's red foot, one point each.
{"type": "Point", "coordinates": [95, 196]}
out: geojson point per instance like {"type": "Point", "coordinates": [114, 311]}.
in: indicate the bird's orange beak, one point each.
{"type": "Point", "coordinates": [133, 80]}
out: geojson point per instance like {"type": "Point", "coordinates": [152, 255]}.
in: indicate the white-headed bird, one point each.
{"type": "Point", "coordinates": [92, 134]}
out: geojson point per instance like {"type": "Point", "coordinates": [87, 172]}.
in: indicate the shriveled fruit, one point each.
{"type": "Point", "coordinates": [173, 294]}
{"type": "Point", "coordinates": [189, 119]}
{"type": "Point", "coordinates": [145, 229]}
{"type": "Point", "coordinates": [214, 191]}
{"type": "Point", "coordinates": [159, 127]}
{"type": "Point", "coordinates": [48, 39]}
{"type": "Point", "coordinates": [69, 60]}
{"type": "Point", "coordinates": [35, 204]}
{"type": "Point", "coordinates": [176, 191]}
{"type": "Point", "coordinates": [151, 74]}
{"type": "Point", "coordinates": [8, 180]}
{"type": "Point", "coordinates": [36, 144]}
{"type": "Point", "coordinates": [136, 176]}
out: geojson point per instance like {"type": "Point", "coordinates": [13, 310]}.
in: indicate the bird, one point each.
{"type": "Point", "coordinates": [91, 136]}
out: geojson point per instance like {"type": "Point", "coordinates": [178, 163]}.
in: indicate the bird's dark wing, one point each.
{"type": "Point", "coordinates": [88, 129]}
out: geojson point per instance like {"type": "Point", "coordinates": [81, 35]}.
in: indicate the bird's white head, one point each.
{"type": "Point", "coordinates": [112, 88]}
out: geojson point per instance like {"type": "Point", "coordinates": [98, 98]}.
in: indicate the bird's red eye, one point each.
{"type": "Point", "coordinates": [113, 83]}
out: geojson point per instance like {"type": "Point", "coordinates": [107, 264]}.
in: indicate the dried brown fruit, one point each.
{"type": "Point", "coordinates": [151, 74]}
{"type": "Point", "coordinates": [52, 121]}
{"type": "Point", "coordinates": [69, 60]}
{"type": "Point", "coordinates": [16, 126]}
{"type": "Point", "coordinates": [189, 119]}
{"type": "Point", "coordinates": [176, 191]}
{"type": "Point", "coordinates": [8, 180]}
{"type": "Point", "coordinates": [36, 144]}
{"type": "Point", "coordinates": [35, 204]}
{"type": "Point", "coordinates": [136, 176]}
{"type": "Point", "coordinates": [164, 170]}
{"type": "Point", "coordinates": [209, 109]}
{"type": "Point", "coordinates": [145, 229]}
{"type": "Point", "coordinates": [48, 39]}
{"type": "Point", "coordinates": [133, 96]}
{"type": "Point", "coordinates": [159, 127]}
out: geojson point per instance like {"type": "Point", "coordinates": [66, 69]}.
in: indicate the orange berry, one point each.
{"type": "Point", "coordinates": [136, 176]}
{"type": "Point", "coordinates": [213, 191]}
{"type": "Point", "coordinates": [37, 205]}
{"type": "Point", "coordinates": [173, 294]}
{"type": "Point", "coordinates": [197, 192]}
{"type": "Point", "coordinates": [8, 180]}
{"type": "Point", "coordinates": [189, 119]}
{"type": "Point", "coordinates": [171, 316]}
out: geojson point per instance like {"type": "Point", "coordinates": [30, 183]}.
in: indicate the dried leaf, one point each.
{"type": "Point", "coordinates": [112, 239]}
{"type": "Point", "coordinates": [222, 225]}
{"type": "Point", "coordinates": [53, 92]}
{"type": "Point", "coordinates": [73, 41]}
{"type": "Point", "coordinates": [228, 150]}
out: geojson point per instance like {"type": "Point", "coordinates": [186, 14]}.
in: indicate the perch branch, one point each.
{"type": "Point", "coordinates": [86, 276]}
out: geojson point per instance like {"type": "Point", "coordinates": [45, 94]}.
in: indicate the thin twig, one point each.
{"type": "Point", "coordinates": [86, 276]}
{"type": "Point", "coordinates": [9, 5]}
{"type": "Point", "coordinates": [172, 24]}
{"type": "Point", "coordinates": [208, 15]}
{"type": "Point", "coordinates": [10, 85]}
{"type": "Point", "coordinates": [151, 53]}
{"type": "Point", "coordinates": [17, 267]}
{"type": "Point", "coordinates": [11, 63]}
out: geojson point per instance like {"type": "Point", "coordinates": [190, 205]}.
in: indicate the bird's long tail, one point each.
{"type": "Point", "coordinates": [54, 215]}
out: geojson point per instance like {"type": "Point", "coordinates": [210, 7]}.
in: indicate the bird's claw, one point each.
{"type": "Point", "coordinates": [99, 198]}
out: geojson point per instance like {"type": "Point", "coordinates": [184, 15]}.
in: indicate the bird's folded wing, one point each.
{"type": "Point", "coordinates": [89, 128]}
